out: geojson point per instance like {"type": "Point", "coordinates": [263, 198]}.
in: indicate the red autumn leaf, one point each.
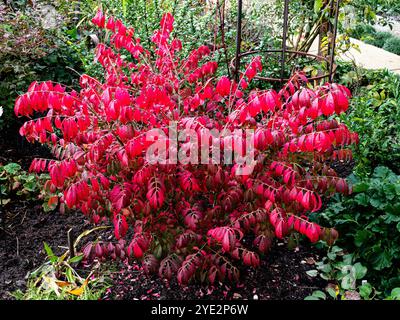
{"type": "Point", "coordinates": [120, 226]}
{"type": "Point", "coordinates": [223, 87]}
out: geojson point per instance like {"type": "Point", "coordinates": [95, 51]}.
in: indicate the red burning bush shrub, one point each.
{"type": "Point", "coordinates": [190, 218]}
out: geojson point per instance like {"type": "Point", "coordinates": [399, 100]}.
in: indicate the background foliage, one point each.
{"type": "Point", "coordinates": [369, 225]}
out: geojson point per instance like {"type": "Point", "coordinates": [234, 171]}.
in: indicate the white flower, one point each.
{"type": "Point", "coordinates": [1, 111]}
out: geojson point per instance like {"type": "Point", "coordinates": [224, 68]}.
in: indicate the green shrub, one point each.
{"type": "Point", "coordinates": [362, 30]}
{"type": "Point", "coordinates": [392, 45]}
{"type": "Point", "coordinates": [374, 114]}
{"type": "Point", "coordinates": [28, 52]}
{"type": "Point", "coordinates": [378, 39]}
{"type": "Point", "coordinates": [368, 222]}
{"type": "Point", "coordinates": [345, 276]}
{"type": "Point", "coordinates": [16, 183]}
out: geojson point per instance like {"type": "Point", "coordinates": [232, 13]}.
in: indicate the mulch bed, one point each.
{"type": "Point", "coordinates": [24, 228]}
{"type": "Point", "coordinates": [281, 276]}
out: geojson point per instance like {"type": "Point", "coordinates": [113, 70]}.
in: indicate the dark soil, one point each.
{"type": "Point", "coordinates": [24, 228]}
{"type": "Point", "coordinates": [281, 276]}
{"type": "Point", "coordinates": [14, 148]}
{"type": "Point", "coordinates": [343, 168]}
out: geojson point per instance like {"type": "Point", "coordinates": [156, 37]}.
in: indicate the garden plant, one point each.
{"type": "Point", "coordinates": [138, 163]}
{"type": "Point", "coordinates": [188, 219]}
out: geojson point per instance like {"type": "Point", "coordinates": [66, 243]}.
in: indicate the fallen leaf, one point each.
{"type": "Point", "coordinates": [78, 291]}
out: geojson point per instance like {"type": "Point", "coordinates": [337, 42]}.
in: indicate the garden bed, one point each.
{"type": "Point", "coordinates": [24, 229]}
{"type": "Point", "coordinates": [282, 274]}
{"type": "Point", "coordinates": [25, 226]}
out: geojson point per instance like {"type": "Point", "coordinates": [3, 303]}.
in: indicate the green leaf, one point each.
{"type": "Point", "coordinates": [361, 271]}
{"type": "Point", "coordinates": [382, 261]}
{"type": "Point", "coordinates": [331, 255]}
{"type": "Point", "coordinates": [318, 6]}
{"type": "Point", "coordinates": [382, 172]}
{"type": "Point", "coordinates": [311, 298]}
{"type": "Point", "coordinates": [12, 168]}
{"type": "Point", "coordinates": [365, 290]}
{"type": "Point", "coordinates": [331, 292]}
{"type": "Point", "coordinates": [395, 294]}
{"type": "Point", "coordinates": [50, 253]}
{"type": "Point", "coordinates": [312, 273]}
{"type": "Point", "coordinates": [362, 199]}
{"type": "Point", "coordinates": [360, 187]}
{"type": "Point", "coordinates": [76, 259]}
{"type": "Point", "coordinates": [361, 237]}
{"type": "Point", "coordinates": [319, 294]}
{"type": "Point", "coordinates": [348, 282]}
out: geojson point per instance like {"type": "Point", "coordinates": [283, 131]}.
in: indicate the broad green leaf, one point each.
{"type": "Point", "coordinates": [312, 273]}
{"type": "Point", "coordinates": [331, 255]}
{"type": "Point", "coordinates": [311, 298]}
{"type": "Point", "coordinates": [348, 282]}
{"type": "Point", "coordinates": [331, 292]}
{"type": "Point", "coordinates": [361, 271]}
{"type": "Point", "coordinates": [382, 260]}
{"type": "Point", "coordinates": [360, 187]}
{"type": "Point", "coordinates": [365, 290]}
{"type": "Point", "coordinates": [361, 237]}
{"type": "Point", "coordinates": [395, 294]}
{"type": "Point", "coordinates": [12, 168]}
{"type": "Point", "coordinates": [319, 294]}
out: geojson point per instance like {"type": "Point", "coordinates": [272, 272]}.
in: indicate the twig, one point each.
{"type": "Point", "coordinates": [17, 246]}
{"type": "Point", "coordinates": [71, 243]}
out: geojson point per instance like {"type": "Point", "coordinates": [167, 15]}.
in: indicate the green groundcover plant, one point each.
{"type": "Point", "coordinates": [374, 114]}
{"type": "Point", "coordinates": [369, 225]}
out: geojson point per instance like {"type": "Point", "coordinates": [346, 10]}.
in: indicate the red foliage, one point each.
{"type": "Point", "coordinates": [187, 219]}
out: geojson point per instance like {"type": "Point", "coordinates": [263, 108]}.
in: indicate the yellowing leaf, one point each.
{"type": "Point", "coordinates": [78, 291]}
{"type": "Point", "coordinates": [62, 284]}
